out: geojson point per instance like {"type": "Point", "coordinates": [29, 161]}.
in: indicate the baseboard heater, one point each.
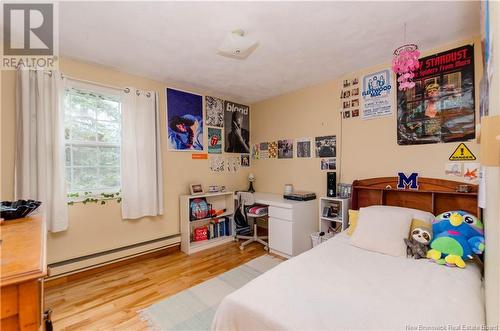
{"type": "Point", "coordinates": [79, 264]}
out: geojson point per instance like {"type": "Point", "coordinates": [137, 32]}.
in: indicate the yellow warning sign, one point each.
{"type": "Point", "coordinates": [462, 153]}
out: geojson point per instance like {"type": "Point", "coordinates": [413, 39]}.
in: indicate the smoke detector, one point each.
{"type": "Point", "coordinates": [237, 45]}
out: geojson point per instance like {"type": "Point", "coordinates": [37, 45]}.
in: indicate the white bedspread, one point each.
{"type": "Point", "coordinates": [336, 286]}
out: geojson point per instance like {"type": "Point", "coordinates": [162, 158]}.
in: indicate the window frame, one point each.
{"type": "Point", "coordinates": [100, 193]}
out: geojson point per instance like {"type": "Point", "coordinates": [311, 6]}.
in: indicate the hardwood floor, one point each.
{"type": "Point", "coordinates": [111, 298]}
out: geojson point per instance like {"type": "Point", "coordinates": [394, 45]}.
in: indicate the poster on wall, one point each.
{"type": "Point", "coordinates": [471, 171]}
{"type": "Point", "coordinates": [245, 160]}
{"type": "Point", "coordinates": [304, 148]}
{"type": "Point", "coordinates": [263, 150]}
{"type": "Point", "coordinates": [217, 164]}
{"type": "Point", "coordinates": [377, 95]}
{"type": "Point", "coordinates": [237, 123]}
{"type": "Point", "coordinates": [453, 169]}
{"type": "Point", "coordinates": [328, 164]}
{"type": "Point", "coordinates": [441, 107]}
{"type": "Point", "coordinates": [285, 149]}
{"type": "Point", "coordinates": [184, 120]}
{"type": "Point", "coordinates": [255, 151]}
{"type": "Point", "coordinates": [326, 146]}
{"type": "Point", "coordinates": [214, 111]}
{"type": "Point", "coordinates": [214, 141]}
{"type": "Point", "coordinates": [233, 163]}
{"type": "Point", "coordinates": [272, 149]}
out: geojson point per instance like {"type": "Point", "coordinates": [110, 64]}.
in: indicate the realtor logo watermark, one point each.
{"type": "Point", "coordinates": [29, 35]}
{"type": "Point", "coordinates": [451, 327]}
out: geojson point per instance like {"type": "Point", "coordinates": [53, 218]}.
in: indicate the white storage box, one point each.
{"type": "Point", "coordinates": [317, 239]}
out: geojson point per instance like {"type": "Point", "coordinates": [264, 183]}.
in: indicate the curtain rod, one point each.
{"type": "Point", "coordinates": [92, 82]}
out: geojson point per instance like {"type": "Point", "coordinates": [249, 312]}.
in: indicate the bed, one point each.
{"type": "Point", "coordinates": [337, 286]}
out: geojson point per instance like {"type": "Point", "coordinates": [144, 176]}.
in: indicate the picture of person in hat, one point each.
{"type": "Point", "coordinates": [425, 120]}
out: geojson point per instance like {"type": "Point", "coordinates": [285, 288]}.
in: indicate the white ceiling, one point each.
{"type": "Point", "coordinates": [300, 43]}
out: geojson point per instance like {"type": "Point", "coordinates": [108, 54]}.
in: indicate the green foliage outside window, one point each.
{"type": "Point", "coordinates": [92, 135]}
{"type": "Point", "coordinates": [89, 197]}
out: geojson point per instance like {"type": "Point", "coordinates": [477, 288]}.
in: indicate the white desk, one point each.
{"type": "Point", "coordinates": [290, 223]}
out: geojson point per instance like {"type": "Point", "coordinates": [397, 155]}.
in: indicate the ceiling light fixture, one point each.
{"type": "Point", "coordinates": [237, 45]}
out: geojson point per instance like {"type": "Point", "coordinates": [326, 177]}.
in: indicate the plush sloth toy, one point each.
{"type": "Point", "coordinates": [418, 244]}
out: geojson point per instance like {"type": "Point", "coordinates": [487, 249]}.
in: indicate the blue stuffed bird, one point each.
{"type": "Point", "coordinates": [457, 235]}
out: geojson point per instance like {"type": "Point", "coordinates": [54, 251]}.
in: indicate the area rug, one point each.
{"type": "Point", "coordinates": [194, 308]}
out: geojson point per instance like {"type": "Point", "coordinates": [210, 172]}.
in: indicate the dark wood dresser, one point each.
{"type": "Point", "coordinates": [23, 267]}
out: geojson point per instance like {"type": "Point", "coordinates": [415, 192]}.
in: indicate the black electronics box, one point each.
{"type": "Point", "coordinates": [331, 184]}
{"type": "Point", "coordinates": [300, 196]}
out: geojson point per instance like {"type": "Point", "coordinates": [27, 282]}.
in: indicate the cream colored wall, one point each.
{"type": "Point", "coordinates": [368, 147]}
{"type": "Point", "coordinates": [306, 113]}
{"type": "Point", "coordinates": [95, 228]}
{"type": "Point", "coordinates": [7, 135]}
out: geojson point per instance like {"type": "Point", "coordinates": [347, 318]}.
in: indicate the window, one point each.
{"type": "Point", "coordinates": [92, 141]}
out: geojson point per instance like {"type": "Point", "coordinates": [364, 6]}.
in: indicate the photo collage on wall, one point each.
{"type": "Point", "coordinates": [349, 97]}
{"type": "Point", "coordinates": [323, 147]}
{"type": "Point", "coordinates": [228, 132]}
{"type": "Point", "coordinates": [228, 129]}
{"type": "Point", "coordinates": [440, 108]}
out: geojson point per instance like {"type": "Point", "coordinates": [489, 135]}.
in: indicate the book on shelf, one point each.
{"type": "Point", "coordinates": [218, 227]}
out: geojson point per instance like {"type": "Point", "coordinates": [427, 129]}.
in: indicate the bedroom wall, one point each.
{"type": "Point", "coordinates": [366, 148]}
{"type": "Point", "coordinates": [95, 228]}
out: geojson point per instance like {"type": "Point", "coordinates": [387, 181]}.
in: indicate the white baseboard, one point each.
{"type": "Point", "coordinates": [72, 266]}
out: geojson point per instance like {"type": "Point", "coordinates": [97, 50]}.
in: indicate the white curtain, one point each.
{"type": "Point", "coordinates": [141, 166]}
{"type": "Point", "coordinates": [39, 163]}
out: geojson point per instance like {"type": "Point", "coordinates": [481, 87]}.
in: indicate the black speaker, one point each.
{"type": "Point", "coordinates": [331, 184]}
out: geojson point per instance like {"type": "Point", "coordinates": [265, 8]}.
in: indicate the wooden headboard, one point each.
{"type": "Point", "coordinates": [433, 195]}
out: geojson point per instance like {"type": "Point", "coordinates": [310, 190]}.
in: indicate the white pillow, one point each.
{"type": "Point", "coordinates": [415, 213]}
{"type": "Point", "coordinates": [382, 230]}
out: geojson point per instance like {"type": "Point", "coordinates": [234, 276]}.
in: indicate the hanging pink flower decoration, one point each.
{"type": "Point", "coordinates": [404, 63]}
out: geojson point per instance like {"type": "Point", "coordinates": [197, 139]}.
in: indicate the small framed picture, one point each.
{"type": "Point", "coordinates": [196, 189]}
{"type": "Point", "coordinates": [326, 211]}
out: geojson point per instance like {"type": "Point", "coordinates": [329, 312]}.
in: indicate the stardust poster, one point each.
{"type": "Point", "coordinates": [441, 107]}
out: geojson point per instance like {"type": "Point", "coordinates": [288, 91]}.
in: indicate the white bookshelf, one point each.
{"type": "Point", "coordinates": [341, 205]}
{"type": "Point", "coordinates": [219, 200]}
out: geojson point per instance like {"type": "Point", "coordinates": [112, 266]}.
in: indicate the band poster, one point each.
{"type": "Point", "coordinates": [184, 120]}
{"type": "Point", "coordinates": [237, 123]}
{"type": "Point", "coordinates": [377, 95]}
{"type": "Point", "coordinates": [441, 107]}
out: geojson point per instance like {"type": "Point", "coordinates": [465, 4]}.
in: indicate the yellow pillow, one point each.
{"type": "Point", "coordinates": [415, 223]}
{"type": "Point", "coordinates": [353, 221]}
